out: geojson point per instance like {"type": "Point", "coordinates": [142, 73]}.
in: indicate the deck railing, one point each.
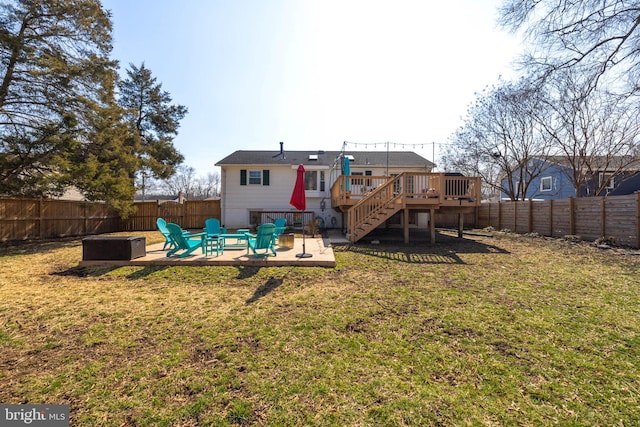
{"type": "Point", "coordinates": [349, 190]}
{"type": "Point", "coordinates": [369, 200]}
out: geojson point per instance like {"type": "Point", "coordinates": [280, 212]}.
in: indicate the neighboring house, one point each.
{"type": "Point", "coordinates": [617, 176]}
{"type": "Point", "coordinates": [627, 184]}
{"type": "Point", "coordinates": [262, 181]}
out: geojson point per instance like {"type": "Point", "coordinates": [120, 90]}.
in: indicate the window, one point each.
{"type": "Point", "coordinates": [546, 183]}
{"type": "Point", "coordinates": [314, 180]}
{"type": "Point", "coordinates": [255, 177]}
{"type": "Point", "coordinates": [311, 180]}
{"type": "Point", "coordinates": [607, 179]}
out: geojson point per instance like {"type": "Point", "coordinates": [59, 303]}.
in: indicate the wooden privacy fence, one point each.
{"type": "Point", "coordinates": [30, 219]}
{"type": "Point", "coordinates": [189, 215]}
{"type": "Point", "coordinates": [590, 218]}
{"type": "Point", "coordinates": [27, 219]}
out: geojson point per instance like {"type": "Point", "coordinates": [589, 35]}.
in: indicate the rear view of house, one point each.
{"type": "Point", "coordinates": [256, 183]}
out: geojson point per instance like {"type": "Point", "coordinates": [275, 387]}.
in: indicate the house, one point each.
{"type": "Point", "coordinates": [256, 186]}
{"type": "Point", "coordinates": [628, 183]}
{"type": "Point", "coordinates": [602, 176]}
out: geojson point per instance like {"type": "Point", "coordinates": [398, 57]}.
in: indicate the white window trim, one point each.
{"type": "Point", "coordinates": [611, 177]}
{"type": "Point", "coordinates": [259, 175]}
{"type": "Point", "coordinates": [543, 180]}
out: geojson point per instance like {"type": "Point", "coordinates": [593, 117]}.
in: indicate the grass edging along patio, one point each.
{"type": "Point", "coordinates": [503, 330]}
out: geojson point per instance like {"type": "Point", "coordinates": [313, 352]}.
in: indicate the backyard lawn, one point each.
{"type": "Point", "coordinates": [494, 331]}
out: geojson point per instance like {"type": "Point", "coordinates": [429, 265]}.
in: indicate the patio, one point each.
{"type": "Point", "coordinates": [320, 249]}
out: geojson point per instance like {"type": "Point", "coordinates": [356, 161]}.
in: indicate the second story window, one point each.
{"type": "Point", "coordinates": [255, 177]}
{"type": "Point", "coordinates": [311, 180]}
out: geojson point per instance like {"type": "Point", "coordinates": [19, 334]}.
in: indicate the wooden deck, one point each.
{"type": "Point", "coordinates": [369, 201]}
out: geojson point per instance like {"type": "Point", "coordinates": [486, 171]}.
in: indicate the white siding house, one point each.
{"type": "Point", "coordinates": [254, 181]}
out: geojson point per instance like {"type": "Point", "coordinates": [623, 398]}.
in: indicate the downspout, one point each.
{"type": "Point", "coordinates": [223, 194]}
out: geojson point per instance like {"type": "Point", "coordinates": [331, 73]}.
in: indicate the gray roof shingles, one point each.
{"type": "Point", "coordinates": [325, 158]}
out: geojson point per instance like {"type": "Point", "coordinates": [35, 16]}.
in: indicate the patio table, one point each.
{"type": "Point", "coordinates": [240, 236]}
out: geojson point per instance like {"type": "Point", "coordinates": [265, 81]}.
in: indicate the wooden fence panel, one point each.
{"type": "Point", "coordinates": [450, 220]}
{"type": "Point", "coordinates": [561, 218]}
{"type": "Point", "coordinates": [490, 215]}
{"type": "Point", "coordinates": [198, 211]}
{"type": "Point", "coordinates": [521, 221]}
{"type": "Point", "coordinates": [27, 219]}
{"type": "Point", "coordinates": [621, 219]}
{"type": "Point", "coordinates": [190, 215]}
{"type": "Point", "coordinates": [483, 217]}
{"type": "Point", "coordinates": [616, 217]}
{"type": "Point", "coordinates": [508, 216]}
{"type": "Point", "coordinates": [30, 219]}
{"type": "Point", "coordinates": [588, 213]}
{"type": "Point", "coordinates": [144, 218]}
{"type": "Point", "coordinates": [541, 217]}
{"type": "Point", "coordinates": [19, 217]}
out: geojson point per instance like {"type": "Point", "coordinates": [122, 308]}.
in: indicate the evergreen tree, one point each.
{"type": "Point", "coordinates": [54, 55]}
{"type": "Point", "coordinates": [105, 164]}
{"type": "Point", "coordinates": [155, 120]}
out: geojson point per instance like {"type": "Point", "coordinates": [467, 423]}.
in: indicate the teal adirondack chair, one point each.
{"type": "Point", "coordinates": [162, 228]}
{"type": "Point", "coordinates": [281, 225]}
{"type": "Point", "coordinates": [212, 227]}
{"type": "Point", "coordinates": [262, 243]}
{"type": "Point", "coordinates": [185, 242]}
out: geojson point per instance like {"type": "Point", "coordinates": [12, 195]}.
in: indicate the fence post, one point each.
{"type": "Point", "coordinates": [603, 217]}
{"type": "Point", "coordinates": [84, 218]}
{"type": "Point", "coordinates": [530, 224]}
{"type": "Point", "coordinates": [637, 220]}
{"type": "Point", "coordinates": [499, 216]}
{"type": "Point", "coordinates": [572, 217]}
{"type": "Point", "coordinates": [551, 218]}
{"type": "Point", "coordinates": [39, 219]}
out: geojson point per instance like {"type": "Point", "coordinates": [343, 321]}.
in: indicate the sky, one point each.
{"type": "Point", "coordinates": [314, 73]}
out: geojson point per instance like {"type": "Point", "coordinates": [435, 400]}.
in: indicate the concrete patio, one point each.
{"type": "Point", "coordinates": [320, 249]}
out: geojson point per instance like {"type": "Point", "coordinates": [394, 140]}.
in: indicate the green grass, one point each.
{"type": "Point", "coordinates": [481, 331]}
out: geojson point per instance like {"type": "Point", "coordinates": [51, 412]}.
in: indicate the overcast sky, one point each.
{"type": "Point", "coordinates": [314, 73]}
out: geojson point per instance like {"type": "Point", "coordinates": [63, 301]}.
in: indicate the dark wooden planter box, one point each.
{"type": "Point", "coordinates": [121, 248]}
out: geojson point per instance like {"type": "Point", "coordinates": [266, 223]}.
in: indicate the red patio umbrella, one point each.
{"type": "Point", "coordinates": [298, 197]}
{"type": "Point", "coordinates": [299, 201]}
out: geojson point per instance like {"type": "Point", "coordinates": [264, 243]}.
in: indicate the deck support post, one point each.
{"type": "Point", "coordinates": [460, 224]}
{"type": "Point", "coordinates": [406, 225]}
{"type": "Point", "coordinates": [432, 224]}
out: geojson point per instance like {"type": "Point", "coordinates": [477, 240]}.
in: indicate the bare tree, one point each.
{"type": "Point", "coordinates": [594, 133]}
{"type": "Point", "coordinates": [191, 186]}
{"type": "Point", "coordinates": [208, 186]}
{"type": "Point", "coordinates": [500, 138]}
{"type": "Point", "coordinates": [600, 38]}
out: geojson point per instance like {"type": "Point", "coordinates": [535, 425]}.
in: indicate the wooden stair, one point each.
{"type": "Point", "coordinates": [374, 209]}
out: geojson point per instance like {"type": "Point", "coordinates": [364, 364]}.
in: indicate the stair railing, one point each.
{"type": "Point", "coordinates": [374, 204]}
